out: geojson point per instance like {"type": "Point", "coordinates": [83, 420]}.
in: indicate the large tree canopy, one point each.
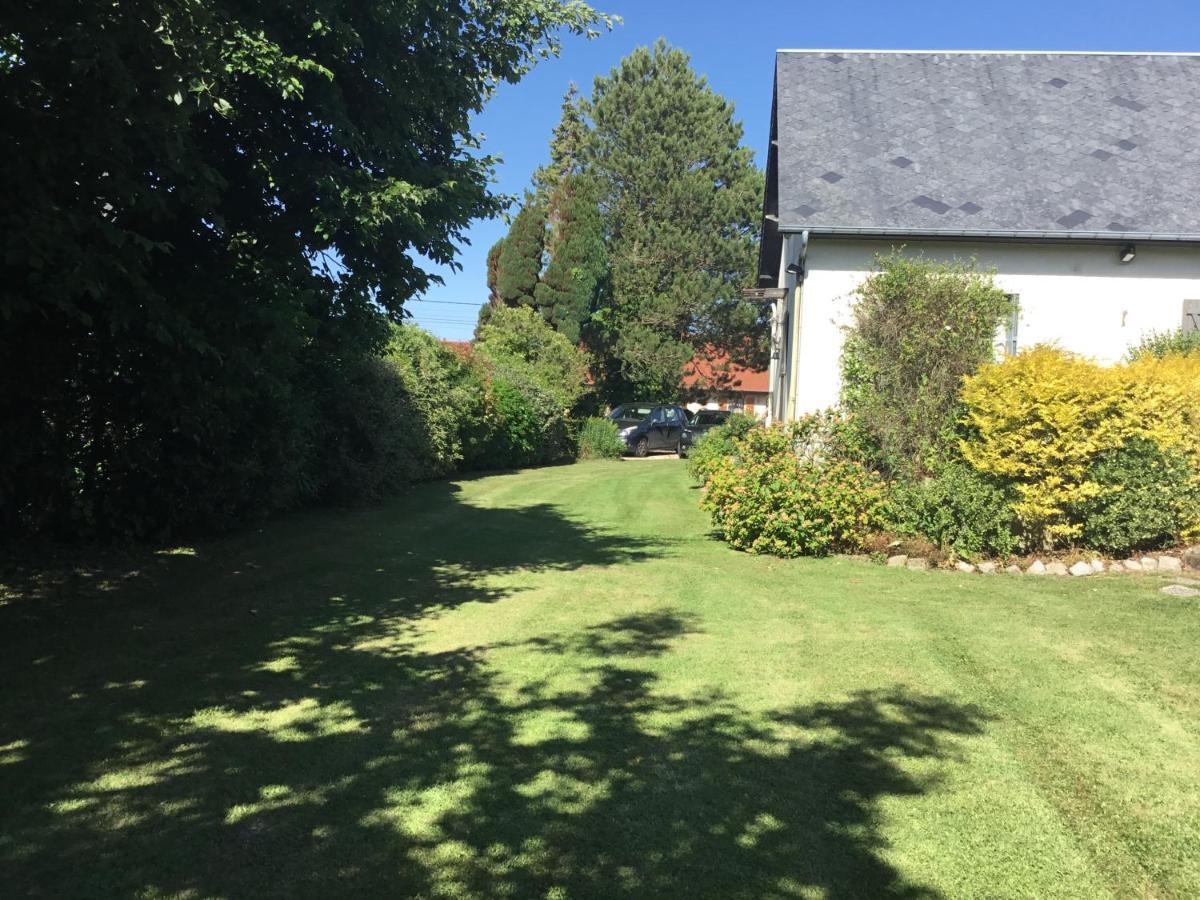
{"type": "Point", "coordinates": [681, 200]}
{"type": "Point", "coordinates": [204, 199]}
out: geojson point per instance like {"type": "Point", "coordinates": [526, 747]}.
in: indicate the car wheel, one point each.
{"type": "Point", "coordinates": [642, 447]}
{"type": "Point", "coordinates": [680, 450]}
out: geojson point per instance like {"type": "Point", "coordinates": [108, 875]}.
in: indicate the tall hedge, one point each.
{"type": "Point", "coordinates": [919, 326]}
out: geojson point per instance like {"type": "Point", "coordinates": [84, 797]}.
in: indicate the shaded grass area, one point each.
{"type": "Point", "coordinates": [556, 684]}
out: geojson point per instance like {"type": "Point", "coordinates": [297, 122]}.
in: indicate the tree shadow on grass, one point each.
{"type": "Point", "coordinates": [278, 727]}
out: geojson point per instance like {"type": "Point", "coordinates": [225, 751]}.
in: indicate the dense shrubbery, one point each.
{"type": "Point", "coordinates": [423, 411]}
{"type": "Point", "coordinates": [1160, 344]}
{"type": "Point", "coordinates": [1044, 450]}
{"type": "Point", "coordinates": [1043, 421]}
{"type": "Point", "coordinates": [919, 327]}
{"type": "Point", "coordinates": [718, 443]}
{"type": "Point", "coordinates": [764, 498]}
{"type": "Point", "coordinates": [1150, 498]}
{"type": "Point", "coordinates": [959, 510]}
{"type": "Point", "coordinates": [600, 438]}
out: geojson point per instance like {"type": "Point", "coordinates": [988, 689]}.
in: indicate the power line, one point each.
{"type": "Point", "coordinates": [455, 302]}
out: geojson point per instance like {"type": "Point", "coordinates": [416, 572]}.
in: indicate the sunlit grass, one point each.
{"type": "Point", "coordinates": [557, 684]}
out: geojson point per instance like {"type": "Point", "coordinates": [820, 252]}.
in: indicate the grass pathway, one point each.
{"type": "Point", "coordinates": [556, 684]}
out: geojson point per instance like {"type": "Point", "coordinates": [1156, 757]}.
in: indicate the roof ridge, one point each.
{"type": "Point", "coordinates": [991, 52]}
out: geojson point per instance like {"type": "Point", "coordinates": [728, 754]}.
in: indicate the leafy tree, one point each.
{"type": "Point", "coordinates": [521, 339]}
{"type": "Point", "coordinates": [573, 282]}
{"type": "Point", "coordinates": [520, 261]}
{"type": "Point", "coordinates": [681, 200]}
{"type": "Point", "coordinates": [208, 205]}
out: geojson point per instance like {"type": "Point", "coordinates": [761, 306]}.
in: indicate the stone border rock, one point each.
{"type": "Point", "coordinates": [1167, 564]}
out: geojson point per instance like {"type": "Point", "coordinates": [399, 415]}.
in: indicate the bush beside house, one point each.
{"type": "Point", "coordinates": [1041, 451]}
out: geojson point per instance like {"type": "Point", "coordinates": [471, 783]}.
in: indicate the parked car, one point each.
{"type": "Point", "coordinates": [630, 414]}
{"type": "Point", "coordinates": [660, 429]}
{"type": "Point", "coordinates": [702, 422]}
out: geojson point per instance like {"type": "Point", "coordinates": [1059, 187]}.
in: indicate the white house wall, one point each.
{"type": "Point", "coordinates": [1079, 297]}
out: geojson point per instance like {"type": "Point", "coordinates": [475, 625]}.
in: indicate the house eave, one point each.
{"type": "Point", "coordinates": [958, 234]}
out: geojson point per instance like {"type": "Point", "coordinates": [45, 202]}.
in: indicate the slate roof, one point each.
{"type": "Point", "coordinates": [1023, 144]}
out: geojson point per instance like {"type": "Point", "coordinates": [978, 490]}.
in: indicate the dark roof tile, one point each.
{"type": "Point", "coordinates": [985, 126]}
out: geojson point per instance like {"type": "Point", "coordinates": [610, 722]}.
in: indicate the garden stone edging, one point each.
{"type": "Point", "coordinates": [1188, 559]}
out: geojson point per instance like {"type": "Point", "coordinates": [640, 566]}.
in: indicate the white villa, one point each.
{"type": "Point", "coordinates": [1076, 176]}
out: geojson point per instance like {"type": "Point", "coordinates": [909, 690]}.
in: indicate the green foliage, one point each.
{"type": "Point", "coordinates": [519, 437]}
{"type": "Point", "coordinates": [529, 359]}
{"type": "Point", "coordinates": [766, 500]}
{"type": "Point", "coordinates": [919, 327]}
{"type": "Point", "coordinates": [717, 444]}
{"type": "Point", "coordinates": [1038, 421]}
{"type": "Point", "coordinates": [599, 438]}
{"type": "Point", "coordinates": [574, 279]}
{"type": "Point", "coordinates": [959, 510]}
{"type": "Point", "coordinates": [682, 202]}
{"type": "Point", "coordinates": [1150, 498]}
{"type": "Point", "coordinates": [399, 419]}
{"type": "Point", "coordinates": [567, 146]}
{"type": "Point", "coordinates": [211, 210]}
{"type": "Point", "coordinates": [493, 272]}
{"type": "Point", "coordinates": [1160, 344]}
{"type": "Point", "coordinates": [519, 264]}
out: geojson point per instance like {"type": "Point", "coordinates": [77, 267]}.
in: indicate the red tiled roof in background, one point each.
{"type": "Point", "coordinates": [718, 372]}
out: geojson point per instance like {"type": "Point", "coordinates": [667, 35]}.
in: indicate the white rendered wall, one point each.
{"type": "Point", "coordinates": [1079, 297]}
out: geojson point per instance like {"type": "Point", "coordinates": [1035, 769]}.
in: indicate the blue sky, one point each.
{"type": "Point", "coordinates": [733, 43]}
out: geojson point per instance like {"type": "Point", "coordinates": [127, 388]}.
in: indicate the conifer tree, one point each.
{"type": "Point", "coordinates": [493, 271]}
{"type": "Point", "coordinates": [567, 145]}
{"type": "Point", "coordinates": [520, 261]}
{"type": "Point", "coordinates": [681, 200]}
{"type": "Point", "coordinates": [571, 285]}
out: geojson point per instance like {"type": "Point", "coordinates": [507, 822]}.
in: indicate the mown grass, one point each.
{"type": "Point", "coordinates": [556, 684]}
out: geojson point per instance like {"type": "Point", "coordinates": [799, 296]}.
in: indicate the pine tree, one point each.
{"type": "Point", "coordinates": [682, 199]}
{"type": "Point", "coordinates": [571, 284]}
{"type": "Point", "coordinates": [520, 261]}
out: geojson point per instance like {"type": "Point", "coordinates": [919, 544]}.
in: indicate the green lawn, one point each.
{"type": "Point", "coordinates": [557, 684]}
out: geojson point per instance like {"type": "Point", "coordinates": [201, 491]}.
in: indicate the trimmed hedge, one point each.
{"type": "Point", "coordinates": [1041, 423]}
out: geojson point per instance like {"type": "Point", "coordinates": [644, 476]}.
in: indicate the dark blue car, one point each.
{"type": "Point", "coordinates": [657, 427]}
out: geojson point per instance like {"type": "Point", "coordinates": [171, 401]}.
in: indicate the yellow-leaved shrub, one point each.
{"type": "Point", "coordinates": [1038, 420]}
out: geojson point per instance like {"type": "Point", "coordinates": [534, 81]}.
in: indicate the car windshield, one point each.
{"type": "Point", "coordinates": [630, 411]}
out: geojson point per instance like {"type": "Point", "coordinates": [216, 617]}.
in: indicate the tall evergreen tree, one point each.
{"type": "Point", "coordinates": [571, 284]}
{"type": "Point", "coordinates": [493, 272]}
{"type": "Point", "coordinates": [567, 145]}
{"type": "Point", "coordinates": [520, 260]}
{"type": "Point", "coordinates": [682, 199]}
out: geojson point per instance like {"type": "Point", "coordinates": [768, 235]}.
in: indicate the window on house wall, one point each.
{"type": "Point", "coordinates": [1191, 316]}
{"type": "Point", "coordinates": [1010, 330]}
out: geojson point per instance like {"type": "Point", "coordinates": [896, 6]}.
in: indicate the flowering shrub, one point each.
{"type": "Point", "coordinates": [765, 499]}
